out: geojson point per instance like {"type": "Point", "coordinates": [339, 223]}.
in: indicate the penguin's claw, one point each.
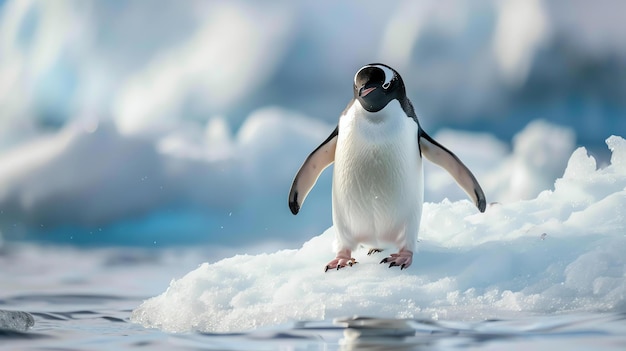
{"type": "Point", "coordinates": [339, 263]}
{"type": "Point", "coordinates": [373, 251]}
{"type": "Point", "coordinates": [402, 259]}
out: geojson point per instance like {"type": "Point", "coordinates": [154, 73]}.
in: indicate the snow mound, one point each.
{"type": "Point", "coordinates": [538, 157]}
{"type": "Point", "coordinates": [206, 185]}
{"type": "Point", "coordinates": [562, 251]}
{"type": "Point", "coordinates": [209, 184]}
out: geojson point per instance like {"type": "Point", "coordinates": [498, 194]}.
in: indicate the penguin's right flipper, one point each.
{"type": "Point", "coordinates": [444, 158]}
{"type": "Point", "coordinates": [322, 157]}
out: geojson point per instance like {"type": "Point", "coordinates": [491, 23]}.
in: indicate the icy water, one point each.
{"type": "Point", "coordinates": [82, 300]}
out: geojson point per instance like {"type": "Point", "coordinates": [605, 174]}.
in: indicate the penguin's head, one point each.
{"type": "Point", "coordinates": [376, 84]}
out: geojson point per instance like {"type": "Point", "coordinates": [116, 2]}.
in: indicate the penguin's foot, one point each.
{"type": "Point", "coordinates": [343, 259]}
{"type": "Point", "coordinates": [373, 251]}
{"type": "Point", "coordinates": [402, 259]}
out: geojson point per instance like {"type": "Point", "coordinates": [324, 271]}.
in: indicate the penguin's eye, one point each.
{"type": "Point", "coordinates": [386, 85]}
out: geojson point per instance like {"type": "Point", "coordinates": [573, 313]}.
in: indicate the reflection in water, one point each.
{"type": "Point", "coordinates": [364, 333]}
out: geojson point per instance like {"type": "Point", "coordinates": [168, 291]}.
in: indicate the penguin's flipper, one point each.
{"type": "Point", "coordinates": [439, 155]}
{"type": "Point", "coordinates": [311, 169]}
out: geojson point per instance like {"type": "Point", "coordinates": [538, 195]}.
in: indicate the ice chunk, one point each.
{"type": "Point", "coordinates": [16, 320]}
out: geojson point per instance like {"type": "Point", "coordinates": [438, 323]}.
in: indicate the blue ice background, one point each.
{"type": "Point", "coordinates": [123, 122]}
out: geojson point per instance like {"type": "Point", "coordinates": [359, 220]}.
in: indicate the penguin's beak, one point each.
{"type": "Point", "coordinates": [364, 92]}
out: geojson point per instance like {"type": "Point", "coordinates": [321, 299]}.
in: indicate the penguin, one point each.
{"type": "Point", "coordinates": [378, 186]}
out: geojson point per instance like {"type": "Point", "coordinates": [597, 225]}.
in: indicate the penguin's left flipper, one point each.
{"type": "Point", "coordinates": [322, 157]}
{"type": "Point", "coordinates": [439, 155]}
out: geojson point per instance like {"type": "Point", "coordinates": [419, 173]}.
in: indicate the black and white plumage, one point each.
{"type": "Point", "coordinates": [378, 186]}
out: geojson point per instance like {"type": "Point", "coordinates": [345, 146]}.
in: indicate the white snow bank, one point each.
{"type": "Point", "coordinates": [560, 252]}
{"type": "Point", "coordinates": [539, 156]}
{"type": "Point", "coordinates": [204, 184]}
{"type": "Point", "coordinates": [192, 184]}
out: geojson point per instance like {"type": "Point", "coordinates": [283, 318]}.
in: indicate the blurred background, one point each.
{"type": "Point", "coordinates": [160, 123]}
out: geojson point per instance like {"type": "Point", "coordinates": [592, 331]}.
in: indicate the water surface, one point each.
{"type": "Point", "coordinates": [82, 300]}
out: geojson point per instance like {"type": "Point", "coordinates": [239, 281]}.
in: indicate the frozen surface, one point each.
{"type": "Point", "coordinates": [562, 251]}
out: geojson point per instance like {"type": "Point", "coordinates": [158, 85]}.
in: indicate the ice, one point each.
{"type": "Point", "coordinates": [194, 136]}
{"type": "Point", "coordinates": [209, 184]}
{"type": "Point", "coordinates": [62, 63]}
{"type": "Point", "coordinates": [225, 71]}
{"type": "Point", "coordinates": [156, 124]}
{"type": "Point", "coordinates": [559, 252]}
{"type": "Point", "coordinates": [539, 156]}
{"type": "Point", "coordinates": [521, 29]}
{"type": "Point", "coordinates": [196, 181]}
{"type": "Point", "coordinates": [16, 320]}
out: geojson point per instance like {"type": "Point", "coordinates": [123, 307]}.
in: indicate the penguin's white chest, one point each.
{"type": "Point", "coordinates": [377, 179]}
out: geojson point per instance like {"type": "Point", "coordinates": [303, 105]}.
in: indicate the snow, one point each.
{"type": "Point", "coordinates": [146, 119]}
{"type": "Point", "coordinates": [89, 178]}
{"type": "Point", "coordinates": [146, 66]}
{"type": "Point", "coordinates": [560, 252]}
{"type": "Point", "coordinates": [158, 92]}
{"type": "Point", "coordinates": [210, 185]}
{"type": "Point", "coordinates": [538, 157]}
{"type": "Point", "coordinates": [131, 123]}
{"type": "Point", "coordinates": [521, 28]}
